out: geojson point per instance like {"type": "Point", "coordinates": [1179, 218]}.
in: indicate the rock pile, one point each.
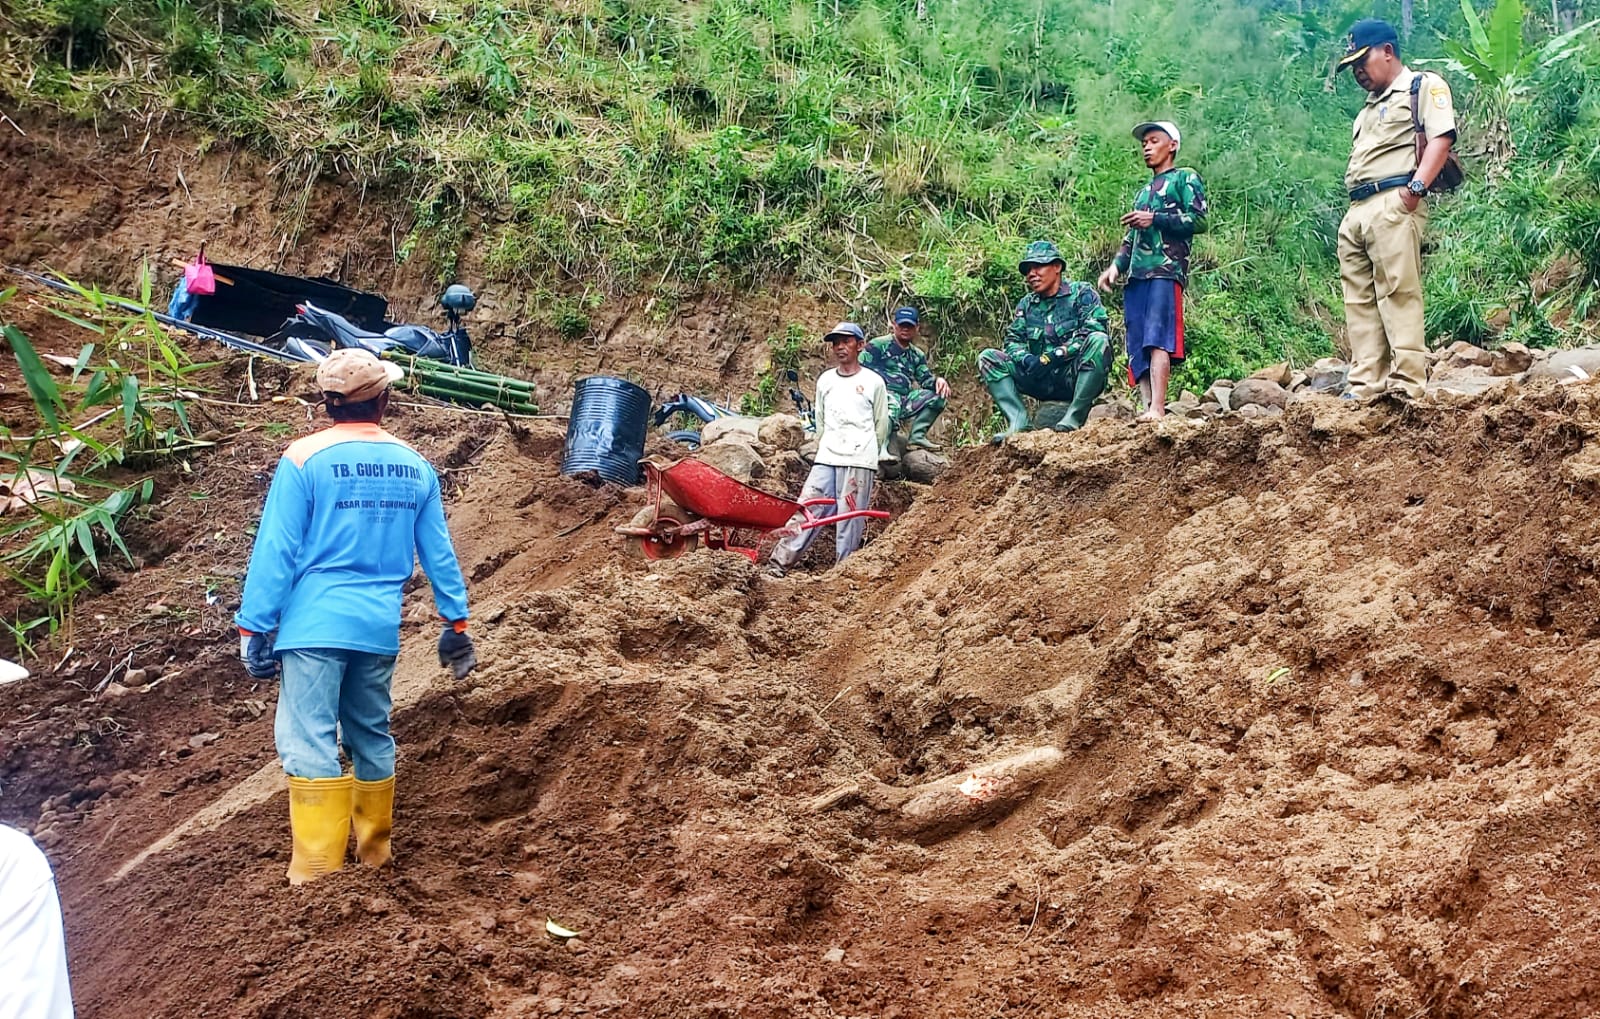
{"type": "Point", "coordinates": [1460, 368]}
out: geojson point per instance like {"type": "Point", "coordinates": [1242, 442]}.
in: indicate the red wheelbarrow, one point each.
{"type": "Point", "coordinates": [691, 498]}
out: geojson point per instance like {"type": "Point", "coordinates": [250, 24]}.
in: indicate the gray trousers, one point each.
{"type": "Point", "coordinates": [852, 488]}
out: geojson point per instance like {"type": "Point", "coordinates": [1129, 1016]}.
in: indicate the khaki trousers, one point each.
{"type": "Point", "coordinates": [1380, 266]}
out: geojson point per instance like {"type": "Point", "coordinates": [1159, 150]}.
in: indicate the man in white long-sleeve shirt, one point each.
{"type": "Point", "coordinates": [852, 413]}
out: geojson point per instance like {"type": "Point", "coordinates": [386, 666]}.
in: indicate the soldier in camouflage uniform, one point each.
{"type": "Point", "coordinates": [1167, 213]}
{"type": "Point", "coordinates": [915, 393]}
{"type": "Point", "coordinates": [1056, 348]}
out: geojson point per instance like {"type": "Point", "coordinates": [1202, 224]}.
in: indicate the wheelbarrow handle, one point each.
{"type": "Point", "coordinates": [810, 523]}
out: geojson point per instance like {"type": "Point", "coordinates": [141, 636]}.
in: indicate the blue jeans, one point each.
{"type": "Point", "coordinates": [325, 688]}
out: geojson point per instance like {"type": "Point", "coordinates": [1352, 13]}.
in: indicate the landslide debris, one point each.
{"type": "Point", "coordinates": [1302, 710]}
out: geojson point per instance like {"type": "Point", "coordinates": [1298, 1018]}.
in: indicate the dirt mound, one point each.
{"type": "Point", "coordinates": [1310, 699]}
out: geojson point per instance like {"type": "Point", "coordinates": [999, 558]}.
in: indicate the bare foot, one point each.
{"type": "Point", "coordinates": [1153, 414]}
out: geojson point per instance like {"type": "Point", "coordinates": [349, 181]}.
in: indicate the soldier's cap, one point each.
{"type": "Point", "coordinates": [353, 375]}
{"type": "Point", "coordinates": [844, 331]}
{"type": "Point", "coordinates": [1166, 127]}
{"type": "Point", "coordinates": [1364, 35]}
{"type": "Point", "coordinates": [906, 316]}
{"type": "Point", "coordinates": [1040, 253]}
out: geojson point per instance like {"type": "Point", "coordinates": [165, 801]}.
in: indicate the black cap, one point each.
{"type": "Point", "coordinates": [906, 316]}
{"type": "Point", "coordinates": [1364, 35]}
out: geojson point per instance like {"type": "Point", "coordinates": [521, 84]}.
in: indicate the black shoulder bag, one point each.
{"type": "Point", "coordinates": [1450, 174]}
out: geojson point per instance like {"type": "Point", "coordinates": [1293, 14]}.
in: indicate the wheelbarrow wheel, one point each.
{"type": "Point", "coordinates": [661, 545]}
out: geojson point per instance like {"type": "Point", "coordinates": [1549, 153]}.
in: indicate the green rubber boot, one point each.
{"type": "Point", "coordinates": [1090, 382]}
{"type": "Point", "coordinates": [1010, 403]}
{"type": "Point", "coordinates": [917, 438]}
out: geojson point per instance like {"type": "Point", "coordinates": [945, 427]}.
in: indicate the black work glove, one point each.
{"type": "Point", "coordinates": [255, 651]}
{"type": "Point", "coordinates": [1030, 364]}
{"type": "Point", "coordinates": [455, 651]}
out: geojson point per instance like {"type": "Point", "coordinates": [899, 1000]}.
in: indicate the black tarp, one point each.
{"type": "Point", "coordinates": [258, 302]}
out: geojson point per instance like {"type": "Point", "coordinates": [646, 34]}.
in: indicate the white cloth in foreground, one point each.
{"type": "Point", "coordinates": [33, 947]}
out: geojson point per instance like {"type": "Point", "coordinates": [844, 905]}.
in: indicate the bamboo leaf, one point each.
{"type": "Point", "coordinates": [52, 576]}
{"type": "Point", "coordinates": [46, 397]}
{"type": "Point", "coordinates": [82, 323]}
{"type": "Point", "coordinates": [130, 401]}
{"type": "Point", "coordinates": [86, 542]}
{"type": "Point", "coordinates": [95, 392]}
{"type": "Point", "coordinates": [83, 360]}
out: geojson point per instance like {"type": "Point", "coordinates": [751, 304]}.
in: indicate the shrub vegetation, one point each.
{"type": "Point", "coordinates": [878, 150]}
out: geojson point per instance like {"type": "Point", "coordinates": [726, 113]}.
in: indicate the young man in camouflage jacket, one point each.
{"type": "Point", "coordinates": [1167, 213]}
{"type": "Point", "coordinates": [1057, 346]}
{"type": "Point", "coordinates": [915, 393]}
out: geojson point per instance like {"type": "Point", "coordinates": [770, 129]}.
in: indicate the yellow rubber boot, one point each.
{"type": "Point", "coordinates": [373, 817]}
{"type": "Point", "coordinates": [319, 817]}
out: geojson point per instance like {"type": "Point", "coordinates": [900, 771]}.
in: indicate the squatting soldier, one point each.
{"type": "Point", "coordinates": [1167, 213]}
{"type": "Point", "coordinates": [915, 393]}
{"type": "Point", "coordinates": [1380, 238]}
{"type": "Point", "coordinates": [1056, 347]}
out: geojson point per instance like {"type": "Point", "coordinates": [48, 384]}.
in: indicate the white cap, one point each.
{"type": "Point", "coordinates": [1167, 126]}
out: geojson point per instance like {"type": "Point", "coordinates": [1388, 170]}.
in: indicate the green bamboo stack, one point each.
{"type": "Point", "coordinates": [465, 385]}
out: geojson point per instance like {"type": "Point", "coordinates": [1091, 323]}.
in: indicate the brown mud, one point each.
{"type": "Point", "coordinates": [1308, 705]}
{"type": "Point", "coordinates": [1322, 688]}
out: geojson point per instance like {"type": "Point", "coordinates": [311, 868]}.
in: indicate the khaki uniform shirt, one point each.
{"type": "Point", "coordinates": [1385, 143]}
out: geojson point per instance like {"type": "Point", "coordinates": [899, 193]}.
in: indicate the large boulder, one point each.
{"type": "Point", "coordinates": [782, 431]}
{"type": "Point", "coordinates": [1462, 354]}
{"type": "Point", "coordinates": [923, 465]}
{"type": "Point", "coordinates": [735, 459]}
{"type": "Point", "coordinates": [1113, 410]}
{"type": "Point", "coordinates": [1577, 364]}
{"type": "Point", "coordinates": [1511, 359]}
{"type": "Point", "coordinates": [742, 429]}
{"type": "Point", "coordinates": [1259, 393]}
{"type": "Point", "coordinates": [1328, 375]}
{"type": "Point", "coordinates": [1280, 373]}
{"type": "Point", "coordinates": [1050, 413]}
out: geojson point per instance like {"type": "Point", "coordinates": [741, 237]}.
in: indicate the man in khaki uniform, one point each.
{"type": "Point", "coordinates": [1380, 239]}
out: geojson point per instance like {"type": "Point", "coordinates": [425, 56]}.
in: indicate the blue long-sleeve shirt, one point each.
{"type": "Point", "coordinates": [350, 510]}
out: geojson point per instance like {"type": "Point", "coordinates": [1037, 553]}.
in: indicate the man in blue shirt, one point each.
{"type": "Point", "coordinates": [350, 510]}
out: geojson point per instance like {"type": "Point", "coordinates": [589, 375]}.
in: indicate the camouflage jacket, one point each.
{"type": "Point", "coordinates": [1069, 319]}
{"type": "Point", "coordinates": [1161, 250]}
{"type": "Point", "coordinates": [903, 368]}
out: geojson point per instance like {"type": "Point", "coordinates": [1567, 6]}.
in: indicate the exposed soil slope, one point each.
{"type": "Point", "coordinates": [93, 203]}
{"type": "Point", "coordinates": [1323, 688]}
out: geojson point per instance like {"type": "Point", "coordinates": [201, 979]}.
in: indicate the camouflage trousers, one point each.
{"type": "Point", "coordinates": [1055, 381]}
{"type": "Point", "coordinates": [903, 408]}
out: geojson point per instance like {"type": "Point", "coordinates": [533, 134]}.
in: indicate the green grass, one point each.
{"type": "Point", "coordinates": [600, 148]}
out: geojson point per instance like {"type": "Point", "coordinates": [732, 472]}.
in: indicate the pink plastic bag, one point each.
{"type": "Point", "coordinates": [198, 277]}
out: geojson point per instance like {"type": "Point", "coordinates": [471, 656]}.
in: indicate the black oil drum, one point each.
{"type": "Point", "coordinates": [606, 432]}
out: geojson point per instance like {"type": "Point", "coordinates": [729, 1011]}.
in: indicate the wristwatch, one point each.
{"type": "Point", "coordinates": [1417, 188]}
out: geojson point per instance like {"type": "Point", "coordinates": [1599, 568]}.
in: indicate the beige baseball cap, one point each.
{"type": "Point", "coordinates": [355, 375]}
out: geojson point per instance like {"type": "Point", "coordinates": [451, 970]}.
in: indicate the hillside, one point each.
{"type": "Point", "coordinates": [1283, 713]}
{"type": "Point", "coordinates": [575, 155]}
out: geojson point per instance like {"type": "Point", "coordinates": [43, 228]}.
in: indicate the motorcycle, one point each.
{"type": "Point", "coordinates": [706, 411]}
{"type": "Point", "coordinates": [312, 333]}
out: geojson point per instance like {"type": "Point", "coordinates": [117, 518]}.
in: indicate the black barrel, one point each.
{"type": "Point", "coordinates": [606, 431]}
